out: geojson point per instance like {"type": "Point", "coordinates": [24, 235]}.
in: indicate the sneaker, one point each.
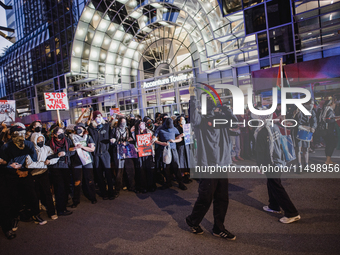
{"type": "Point", "coordinates": [65, 213]}
{"type": "Point", "coordinates": [225, 234]}
{"type": "Point", "coordinates": [15, 224]}
{"type": "Point", "coordinates": [38, 220]}
{"type": "Point", "coordinates": [10, 235]}
{"type": "Point", "coordinates": [182, 186]}
{"type": "Point", "coordinates": [267, 209]}
{"type": "Point", "coordinates": [287, 220]}
{"type": "Point", "coordinates": [194, 229]}
{"type": "Point", "coordinates": [54, 217]}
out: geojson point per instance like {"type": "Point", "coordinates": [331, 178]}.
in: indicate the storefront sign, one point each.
{"type": "Point", "coordinates": [7, 111]}
{"type": "Point", "coordinates": [165, 81]}
{"type": "Point", "coordinates": [56, 101]}
{"type": "Point", "coordinates": [144, 145]}
{"type": "Point", "coordinates": [114, 111]}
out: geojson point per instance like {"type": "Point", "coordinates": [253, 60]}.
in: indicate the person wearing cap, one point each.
{"type": "Point", "coordinates": [19, 177]}
{"type": "Point", "coordinates": [82, 160]}
{"type": "Point", "coordinates": [99, 130]}
{"type": "Point", "coordinates": [269, 153]}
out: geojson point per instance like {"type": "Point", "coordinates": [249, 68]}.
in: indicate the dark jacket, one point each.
{"type": "Point", "coordinates": [213, 146]}
{"type": "Point", "coordinates": [12, 154]}
{"type": "Point", "coordinates": [64, 161]}
{"type": "Point", "coordinates": [101, 138]}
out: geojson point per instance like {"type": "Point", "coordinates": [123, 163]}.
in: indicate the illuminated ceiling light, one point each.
{"type": "Point", "coordinates": [88, 14]}
{"type": "Point", "coordinates": [119, 60]}
{"type": "Point", "coordinates": [87, 51]}
{"type": "Point", "coordinates": [156, 5]}
{"type": "Point", "coordinates": [77, 50]}
{"type": "Point", "coordinates": [330, 17]}
{"type": "Point", "coordinates": [107, 41]}
{"type": "Point", "coordinates": [95, 17]}
{"type": "Point", "coordinates": [165, 9]}
{"type": "Point", "coordinates": [145, 18]}
{"type": "Point", "coordinates": [80, 31]}
{"type": "Point", "coordinates": [136, 14]}
{"type": "Point", "coordinates": [122, 1]}
{"type": "Point", "coordinates": [119, 35]}
{"type": "Point", "coordinates": [133, 4]}
{"type": "Point", "coordinates": [110, 59]}
{"type": "Point", "coordinates": [94, 54]}
{"type": "Point", "coordinates": [163, 23]}
{"type": "Point", "coordinates": [103, 55]}
{"type": "Point", "coordinates": [146, 29]}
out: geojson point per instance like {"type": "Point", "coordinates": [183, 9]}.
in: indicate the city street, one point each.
{"type": "Point", "coordinates": [155, 224]}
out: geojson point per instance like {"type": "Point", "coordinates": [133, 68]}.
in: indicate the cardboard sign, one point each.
{"type": "Point", "coordinates": [7, 111]}
{"type": "Point", "coordinates": [56, 101]}
{"type": "Point", "coordinates": [114, 111]}
{"type": "Point", "coordinates": [144, 145]}
{"type": "Point", "coordinates": [187, 134]}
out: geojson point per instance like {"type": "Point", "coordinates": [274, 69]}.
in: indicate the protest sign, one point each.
{"type": "Point", "coordinates": [56, 101]}
{"type": "Point", "coordinates": [187, 134]}
{"type": "Point", "coordinates": [144, 145]}
{"type": "Point", "coordinates": [7, 111]}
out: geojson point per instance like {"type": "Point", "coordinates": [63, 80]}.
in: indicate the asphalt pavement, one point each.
{"type": "Point", "coordinates": [154, 223]}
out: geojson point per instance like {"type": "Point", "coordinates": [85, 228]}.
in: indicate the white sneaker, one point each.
{"type": "Point", "coordinates": [267, 209]}
{"type": "Point", "coordinates": [290, 220]}
{"type": "Point", "coordinates": [54, 217]}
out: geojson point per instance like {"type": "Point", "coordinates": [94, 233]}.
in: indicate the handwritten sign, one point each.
{"type": "Point", "coordinates": [7, 111]}
{"type": "Point", "coordinates": [144, 145]}
{"type": "Point", "coordinates": [56, 101]}
{"type": "Point", "coordinates": [187, 134]}
{"type": "Point", "coordinates": [114, 111]}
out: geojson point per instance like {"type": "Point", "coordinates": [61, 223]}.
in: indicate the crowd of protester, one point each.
{"type": "Point", "coordinates": [45, 168]}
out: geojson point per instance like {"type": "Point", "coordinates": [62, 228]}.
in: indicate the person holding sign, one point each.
{"type": "Point", "coordinates": [60, 172]}
{"type": "Point", "coordinates": [121, 136]}
{"type": "Point", "coordinates": [83, 145]}
{"type": "Point", "coordinates": [144, 170]}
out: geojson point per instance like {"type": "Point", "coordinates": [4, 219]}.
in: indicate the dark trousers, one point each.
{"type": "Point", "coordinates": [102, 165]}
{"type": "Point", "coordinates": [145, 173]}
{"type": "Point", "coordinates": [6, 219]}
{"type": "Point", "coordinates": [43, 190]}
{"type": "Point", "coordinates": [83, 177]}
{"type": "Point", "coordinates": [61, 178]}
{"type": "Point", "coordinates": [129, 167]}
{"type": "Point", "coordinates": [211, 190]}
{"type": "Point", "coordinates": [22, 191]}
{"type": "Point", "coordinates": [331, 141]}
{"type": "Point", "coordinates": [278, 197]}
{"type": "Point", "coordinates": [174, 167]}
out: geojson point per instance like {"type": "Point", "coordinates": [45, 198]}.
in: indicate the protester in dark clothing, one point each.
{"type": "Point", "coordinates": [83, 145]}
{"type": "Point", "coordinates": [144, 166]}
{"type": "Point", "coordinates": [6, 204]}
{"type": "Point", "coordinates": [269, 153]}
{"type": "Point", "coordinates": [19, 178]}
{"type": "Point", "coordinates": [327, 117]}
{"type": "Point", "coordinates": [212, 148]}
{"type": "Point", "coordinates": [122, 136]}
{"type": "Point", "coordinates": [99, 130]}
{"type": "Point", "coordinates": [60, 172]}
{"type": "Point", "coordinates": [168, 135]}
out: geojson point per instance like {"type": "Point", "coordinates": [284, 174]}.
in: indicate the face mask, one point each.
{"type": "Point", "coordinates": [61, 136]}
{"type": "Point", "coordinates": [79, 131]}
{"type": "Point", "coordinates": [99, 120]}
{"type": "Point", "coordinates": [123, 125]}
{"type": "Point", "coordinates": [40, 144]}
{"type": "Point", "coordinates": [18, 139]}
{"type": "Point", "coordinates": [38, 129]}
{"type": "Point", "coordinates": [183, 122]}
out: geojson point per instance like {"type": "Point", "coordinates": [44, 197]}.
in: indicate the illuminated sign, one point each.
{"type": "Point", "coordinates": [165, 81]}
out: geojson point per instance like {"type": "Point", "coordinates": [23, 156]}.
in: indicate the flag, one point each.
{"type": "Point", "coordinates": [279, 77]}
